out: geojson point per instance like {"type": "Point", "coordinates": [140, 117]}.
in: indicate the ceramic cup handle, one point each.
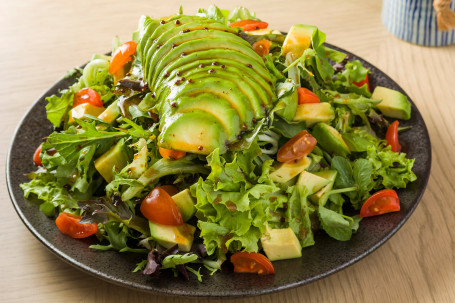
{"type": "Point", "coordinates": [445, 16]}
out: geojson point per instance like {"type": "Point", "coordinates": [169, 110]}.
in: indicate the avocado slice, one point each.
{"type": "Point", "coordinates": [281, 244]}
{"type": "Point", "coordinates": [188, 27]}
{"type": "Point", "coordinates": [146, 27]}
{"type": "Point", "coordinates": [260, 84]}
{"type": "Point", "coordinates": [158, 51]}
{"type": "Point", "coordinates": [213, 104]}
{"type": "Point", "coordinates": [323, 194]}
{"type": "Point", "coordinates": [168, 24]}
{"type": "Point", "coordinates": [84, 109]}
{"type": "Point", "coordinates": [258, 102]}
{"type": "Point", "coordinates": [313, 113]}
{"type": "Point", "coordinates": [394, 104]}
{"type": "Point", "coordinates": [195, 132]}
{"type": "Point", "coordinates": [223, 88]}
{"type": "Point", "coordinates": [298, 39]}
{"type": "Point", "coordinates": [185, 202]}
{"type": "Point", "coordinates": [286, 171]}
{"type": "Point", "coordinates": [312, 182]}
{"type": "Point", "coordinates": [203, 44]}
{"type": "Point", "coordinates": [195, 59]}
{"type": "Point", "coordinates": [330, 139]}
{"type": "Point", "coordinates": [111, 113]}
{"type": "Point", "coordinates": [116, 157]}
{"type": "Point", "coordinates": [168, 236]}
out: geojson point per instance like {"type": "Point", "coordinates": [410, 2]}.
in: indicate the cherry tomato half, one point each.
{"type": "Point", "coordinates": [249, 25]}
{"type": "Point", "coordinates": [392, 137]}
{"type": "Point", "coordinates": [87, 95]}
{"type": "Point", "coordinates": [36, 157]}
{"type": "Point", "coordinates": [297, 147]}
{"type": "Point", "coordinates": [159, 207]}
{"type": "Point", "coordinates": [262, 47]}
{"type": "Point", "coordinates": [68, 224]}
{"type": "Point", "coordinates": [170, 189]}
{"type": "Point", "coordinates": [252, 263]}
{"type": "Point", "coordinates": [381, 202]}
{"type": "Point", "coordinates": [171, 154]}
{"type": "Point", "coordinates": [307, 96]}
{"type": "Point", "coordinates": [122, 56]}
{"type": "Point", "coordinates": [363, 82]}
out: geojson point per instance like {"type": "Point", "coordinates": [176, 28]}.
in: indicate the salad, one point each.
{"type": "Point", "coordinates": [213, 138]}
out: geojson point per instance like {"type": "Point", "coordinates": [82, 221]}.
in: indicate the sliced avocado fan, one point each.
{"type": "Point", "coordinates": [207, 84]}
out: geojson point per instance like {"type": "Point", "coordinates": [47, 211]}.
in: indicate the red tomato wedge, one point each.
{"type": "Point", "coordinates": [381, 202]}
{"type": "Point", "coordinates": [68, 224]}
{"type": "Point", "coordinates": [122, 56]}
{"type": "Point", "coordinates": [392, 137]}
{"type": "Point", "coordinates": [36, 157]}
{"type": "Point", "coordinates": [249, 25]}
{"type": "Point", "coordinates": [297, 147]}
{"type": "Point", "coordinates": [262, 47]}
{"type": "Point", "coordinates": [171, 154]}
{"type": "Point", "coordinates": [159, 207]}
{"type": "Point", "coordinates": [252, 263]}
{"type": "Point", "coordinates": [87, 95]}
{"type": "Point", "coordinates": [363, 82]}
{"type": "Point", "coordinates": [307, 96]}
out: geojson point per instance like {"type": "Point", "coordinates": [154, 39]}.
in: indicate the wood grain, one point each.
{"type": "Point", "coordinates": [41, 39]}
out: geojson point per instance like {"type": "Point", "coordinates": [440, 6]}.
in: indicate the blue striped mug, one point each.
{"type": "Point", "coordinates": [417, 21]}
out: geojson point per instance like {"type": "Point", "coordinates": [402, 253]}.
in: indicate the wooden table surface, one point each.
{"type": "Point", "coordinates": [41, 39]}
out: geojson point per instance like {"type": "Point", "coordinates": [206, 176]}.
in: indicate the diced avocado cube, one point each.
{"type": "Point", "coordinates": [312, 182]}
{"type": "Point", "coordinates": [286, 171]}
{"type": "Point", "coordinates": [330, 139]}
{"type": "Point", "coordinates": [84, 109]}
{"type": "Point", "coordinates": [298, 39]}
{"type": "Point", "coordinates": [116, 157]}
{"type": "Point", "coordinates": [281, 244]}
{"type": "Point", "coordinates": [110, 113]}
{"type": "Point", "coordinates": [394, 104]}
{"type": "Point", "coordinates": [168, 236]}
{"type": "Point", "coordinates": [185, 203]}
{"type": "Point", "coordinates": [322, 195]}
{"type": "Point", "coordinates": [313, 113]}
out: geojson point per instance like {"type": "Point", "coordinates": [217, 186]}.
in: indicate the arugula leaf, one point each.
{"type": "Point", "coordinates": [70, 142]}
{"type": "Point", "coordinates": [287, 130]}
{"type": "Point", "coordinates": [336, 225]}
{"type": "Point", "coordinates": [344, 176]}
{"type": "Point", "coordinates": [298, 214]}
{"type": "Point", "coordinates": [362, 172]}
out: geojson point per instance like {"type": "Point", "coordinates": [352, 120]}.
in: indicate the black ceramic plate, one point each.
{"type": "Point", "coordinates": [318, 261]}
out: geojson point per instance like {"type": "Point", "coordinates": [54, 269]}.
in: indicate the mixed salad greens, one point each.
{"type": "Point", "coordinates": [213, 136]}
